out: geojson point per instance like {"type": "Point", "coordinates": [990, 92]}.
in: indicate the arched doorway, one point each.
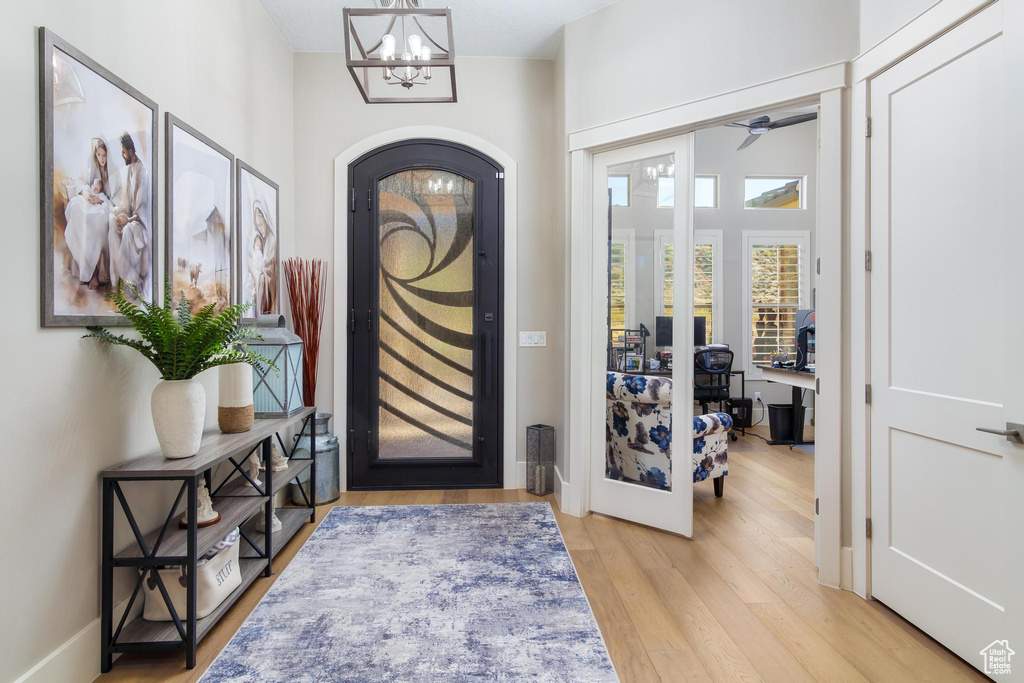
{"type": "Point", "coordinates": [425, 324]}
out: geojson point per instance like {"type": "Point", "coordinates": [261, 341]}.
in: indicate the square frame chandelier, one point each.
{"type": "Point", "coordinates": [419, 69]}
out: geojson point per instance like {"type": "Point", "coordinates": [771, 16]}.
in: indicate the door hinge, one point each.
{"type": "Point", "coordinates": [369, 441]}
{"type": "Point", "coordinates": [817, 267]}
{"type": "Point", "coordinates": [816, 506]}
{"type": "Point", "coordinates": [369, 200]}
{"type": "Point", "coordinates": [867, 393]}
{"type": "Point", "coordinates": [351, 441]}
{"type": "Point", "coordinates": [352, 320]}
{"type": "Point", "coordinates": [867, 127]}
{"type": "Point", "coordinates": [817, 386]}
{"type": "Point", "coordinates": [867, 259]}
{"type": "Point", "coordinates": [369, 320]}
{"type": "Point", "coordinates": [867, 527]}
{"type": "Point", "coordinates": [499, 174]}
{"type": "Point", "coordinates": [353, 200]}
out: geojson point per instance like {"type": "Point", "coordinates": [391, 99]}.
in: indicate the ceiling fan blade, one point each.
{"type": "Point", "coordinates": [793, 120]}
{"type": "Point", "coordinates": [737, 125]}
{"type": "Point", "coordinates": [749, 141]}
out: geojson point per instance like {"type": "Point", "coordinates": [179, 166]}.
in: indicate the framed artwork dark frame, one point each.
{"type": "Point", "coordinates": [48, 42]}
{"type": "Point", "coordinates": [172, 122]}
{"type": "Point", "coordinates": [240, 167]}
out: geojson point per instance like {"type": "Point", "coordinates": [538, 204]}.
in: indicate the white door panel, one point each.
{"type": "Point", "coordinates": [671, 510]}
{"type": "Point", "coordinates": [943, 360]}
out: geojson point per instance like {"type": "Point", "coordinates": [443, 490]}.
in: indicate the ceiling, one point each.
{"type": "Point", "coordinates": [528, 29]}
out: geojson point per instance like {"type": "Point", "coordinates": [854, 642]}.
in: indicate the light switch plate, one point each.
{"type": "Point", "coordinates": [533, 339]}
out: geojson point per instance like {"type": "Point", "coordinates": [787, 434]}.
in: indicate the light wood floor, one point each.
{"type": "Point", "coordinates": [739, 602]}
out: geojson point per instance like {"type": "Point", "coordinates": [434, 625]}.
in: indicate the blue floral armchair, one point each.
{"type": "Point", "coordinates": [638, 434]}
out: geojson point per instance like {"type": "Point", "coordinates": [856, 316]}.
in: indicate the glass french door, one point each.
{"type": "Point", "coordinates": [425, 318]}
{"type": "Point", "coordinates": [642, 412]}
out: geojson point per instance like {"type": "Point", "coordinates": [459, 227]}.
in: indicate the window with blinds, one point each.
{"type": "Point", "coordinates": [703, 279]}
{"type": "Point", "coordinates": [617, 272]}
{"type": "Point", "coordinates": [704, 284]}
{"type": "Point", "coordinates": [776, 275]}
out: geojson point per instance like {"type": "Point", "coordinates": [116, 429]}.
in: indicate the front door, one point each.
{"type": "Point", "coordinates": [425, 318]}
{"type": "Point", "coordinates": [945, 343]}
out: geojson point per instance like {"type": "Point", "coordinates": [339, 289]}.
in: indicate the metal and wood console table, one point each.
{"type": "Point", "coordinates": [236, 498]}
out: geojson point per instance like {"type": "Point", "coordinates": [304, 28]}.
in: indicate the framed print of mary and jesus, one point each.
{"type": "Point", "coordinates": [99, 193]}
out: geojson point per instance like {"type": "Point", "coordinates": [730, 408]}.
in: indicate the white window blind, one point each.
{"type": "Point", "coordinates": [706, 278]}
{"type": "Point", "coordinates": [704, 284]}
{"type": "Point", "coordinates": [776, 284]}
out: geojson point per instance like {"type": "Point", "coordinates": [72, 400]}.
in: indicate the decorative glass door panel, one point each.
{"type": "Point", "coordinates": [425, 289]}
{"type": "Point", "coordinates": [425, 320]}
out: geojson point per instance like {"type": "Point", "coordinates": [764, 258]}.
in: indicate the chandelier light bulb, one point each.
{"type": "Point", "coordinates": [387, 47]}
{"type": "Point", "coordinates": [425, 56]}
{"type": "Point", "coordinates": [414, 45]}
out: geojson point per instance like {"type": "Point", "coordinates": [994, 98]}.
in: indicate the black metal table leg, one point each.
{"type": "Point", "coordinates": [312, 468]}
{"type": "Point", "coordinates": [268, 510]}
{"type": "Point", "coordinates": [107, 597]}
{"type": "Point", "coordinates": [191, 639]}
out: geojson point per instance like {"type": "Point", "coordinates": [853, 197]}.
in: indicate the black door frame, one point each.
{"type": "Point", "coordinates": [485, 469]}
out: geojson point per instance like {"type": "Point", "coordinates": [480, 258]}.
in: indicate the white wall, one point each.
{"type": "Point", "coordinates": [638, 56]}
{"type": "Point", "coordinates": [507, 102]}
{"type": "Point", "coordinates": [70, 407]}
{"type": "Point", "coordinates": [881, 18]}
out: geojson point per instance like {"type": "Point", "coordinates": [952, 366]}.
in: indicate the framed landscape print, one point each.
{"type": "Point", "coordinates": [259, 258]}
{"type": "Point", "coordinates": [200, 218]}
{"type": "Point", "coordinates": [98, 171]}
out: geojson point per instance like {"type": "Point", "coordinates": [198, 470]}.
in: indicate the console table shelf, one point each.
{"type": "Point", "coordinates": [239, 503]}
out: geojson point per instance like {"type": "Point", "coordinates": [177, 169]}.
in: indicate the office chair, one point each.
{"type": "Point", "coordinates": [712, 370]}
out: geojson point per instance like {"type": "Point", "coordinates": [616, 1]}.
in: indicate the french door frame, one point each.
{"type": "Point", "coordinates": [823, 86]}
{"type": "Point", "coordinates": [512, 467]}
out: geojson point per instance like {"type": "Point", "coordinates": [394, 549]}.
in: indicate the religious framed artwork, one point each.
{"type": "Point", "coordinates": [200, 220]}
{"type": "Point", "coordinates": [98, 188]}
{"type": "Point", "coordinates": [259, 256]}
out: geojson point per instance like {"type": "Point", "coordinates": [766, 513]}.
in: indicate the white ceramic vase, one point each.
{"type": "Point", "coordinates": [179, 409]}
{"type": "Point", "coordinates": [234, 404]}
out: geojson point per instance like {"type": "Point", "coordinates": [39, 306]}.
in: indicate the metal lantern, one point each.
{"type": "Point", "coordinates": [277, 394]}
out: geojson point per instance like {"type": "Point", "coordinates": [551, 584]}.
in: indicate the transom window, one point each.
{"type": "Point", "coordinates": [705, 192]}
{"type": "Point", "coordinates": [776, 192]}
{"type": "Point", "coordinates": [619, 185]}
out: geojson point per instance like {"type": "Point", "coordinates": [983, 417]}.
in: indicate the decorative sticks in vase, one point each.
{"type": "Point", "coordinates": [307, 291]}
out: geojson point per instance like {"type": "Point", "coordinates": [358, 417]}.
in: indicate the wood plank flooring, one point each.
{"type": "Point", "coordinates": [739, 602]}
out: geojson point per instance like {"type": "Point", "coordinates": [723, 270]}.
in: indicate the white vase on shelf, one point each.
{"type": "Point", "coordinates": [179, 409]}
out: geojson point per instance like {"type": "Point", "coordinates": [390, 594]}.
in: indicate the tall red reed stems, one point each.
{"type": "Point", "coordinates": [307, 290]}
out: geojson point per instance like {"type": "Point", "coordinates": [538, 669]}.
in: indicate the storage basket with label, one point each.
{"type": "Point", "coordinates": [217, 575]}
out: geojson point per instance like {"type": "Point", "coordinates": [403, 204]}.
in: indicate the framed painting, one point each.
{"type": "Point", "coordinates": [98, 188]}
{"type": "Point", "coordinates": [200, 221]}
{"type": "Point", "coordinates": [259, 255]}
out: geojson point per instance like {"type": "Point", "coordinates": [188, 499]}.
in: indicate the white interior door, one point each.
{"type": "Point", "coordinates": [648, 166]}
{"type": "Point", "coordinates": [946, 283]}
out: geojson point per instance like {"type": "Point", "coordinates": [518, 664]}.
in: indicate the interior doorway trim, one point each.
{"type": "Point", "coordinates": [824, 86]}
{"type": "Point", "coordinates": [514, 472]}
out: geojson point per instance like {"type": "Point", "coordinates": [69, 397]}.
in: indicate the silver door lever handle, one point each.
{"type": "Point", "coordinates": [1012, 432]}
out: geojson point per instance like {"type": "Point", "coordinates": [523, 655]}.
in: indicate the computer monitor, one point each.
{"type": "Point", "coordinates": [700, 330]}
{"type": "Point", "coordinates": [804, 317]}
{"type": "Point", "coordinates": [663, 330]}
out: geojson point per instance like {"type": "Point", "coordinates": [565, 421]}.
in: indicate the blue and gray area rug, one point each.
{"type": "Point", "coordinates": [423, 593]}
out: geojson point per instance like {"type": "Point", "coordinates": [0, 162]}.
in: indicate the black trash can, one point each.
{"type": "Point", "coordinates": [780, 422]}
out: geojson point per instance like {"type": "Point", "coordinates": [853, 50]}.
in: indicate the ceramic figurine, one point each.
{"type": "Point", "coordinates": [253, 466]}
{"type": "Point", "coordinates": [278, 460]}
{"type": "Point", "coordinates": [206, 514]}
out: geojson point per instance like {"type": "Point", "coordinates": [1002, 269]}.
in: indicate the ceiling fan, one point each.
{"type": "Point", "coordinates": [762, 124]}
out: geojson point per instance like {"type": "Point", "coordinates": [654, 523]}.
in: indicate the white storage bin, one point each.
{"type": "Point", "coordinates": [214, 582]}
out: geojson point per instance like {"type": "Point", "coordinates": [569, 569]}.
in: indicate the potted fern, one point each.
{"type": "Point", "coordinates": [181, 345]}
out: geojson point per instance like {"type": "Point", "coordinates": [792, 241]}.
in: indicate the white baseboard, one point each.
{"type": "Point", "coordinates": [520, 474]}
{"type": "Point", "coordinates": [846, 568]}
{"type": "Point", "coordinates": [559, 485]}
{"type": "Point", "coordinates": [78, 658]}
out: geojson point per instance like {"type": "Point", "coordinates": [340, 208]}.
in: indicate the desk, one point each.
{"type": "Point", "coordinates": [799, 380]}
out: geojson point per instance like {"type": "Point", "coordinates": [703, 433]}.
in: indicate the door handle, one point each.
{"type": "Point", "coordinates": [1013, 432]}
{"type": "Point", "coordinates": [488, 363]}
